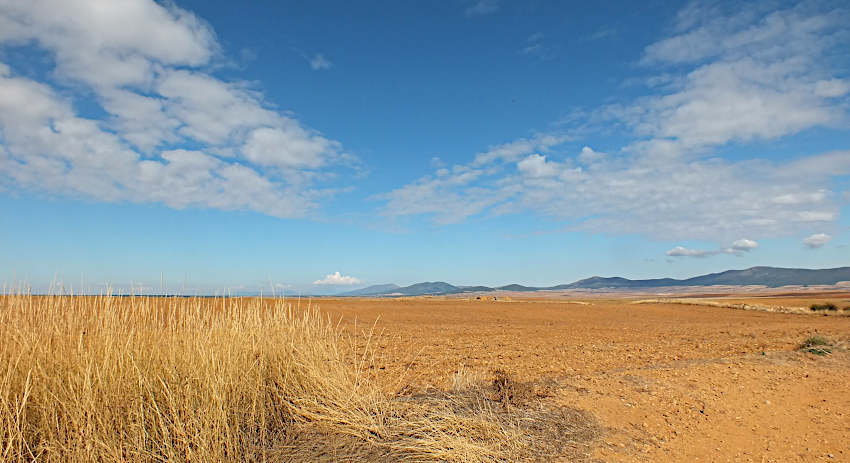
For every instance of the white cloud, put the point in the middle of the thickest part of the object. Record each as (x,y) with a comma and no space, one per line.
(680,251)
(744,245)
(534,46)
(536,166)
(727,78)
(287,146)
(705,32)
(337,279)
(828,164)
(535,37)
(589,156)
(831,88)
(483,7)
(109,43)
(50,147)
(603,32)
(198,100)
(318,62)
(516,149)
(801,198)
(742,100)
(754,75)
(664,198)
(147,65)
(737,248)
(449,196)
(817,240)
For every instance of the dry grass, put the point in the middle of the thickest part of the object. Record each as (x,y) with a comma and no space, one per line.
(728,305)
(177,379)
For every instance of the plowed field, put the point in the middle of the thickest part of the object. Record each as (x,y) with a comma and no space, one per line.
(666,382)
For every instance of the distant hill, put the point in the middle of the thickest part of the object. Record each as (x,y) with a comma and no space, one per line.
(516,287)
(475,289)
(418,289)
(761,276)
(430,287)
(772,276)
(373,290)
(616,282)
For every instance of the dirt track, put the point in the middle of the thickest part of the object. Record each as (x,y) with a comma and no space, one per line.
(669,382)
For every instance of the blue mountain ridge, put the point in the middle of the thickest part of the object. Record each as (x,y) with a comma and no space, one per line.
(762,276)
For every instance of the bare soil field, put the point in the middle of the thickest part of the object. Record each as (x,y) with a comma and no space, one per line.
(662,381)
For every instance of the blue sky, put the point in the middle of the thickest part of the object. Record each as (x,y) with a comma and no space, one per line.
(314,147)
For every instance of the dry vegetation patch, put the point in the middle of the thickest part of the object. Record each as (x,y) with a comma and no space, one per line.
(824,306)
(553,432)
(727,305)
(193,379)
(821,345)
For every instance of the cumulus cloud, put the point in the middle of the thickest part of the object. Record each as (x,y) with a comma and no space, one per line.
(337,279)
(148,65)
(727,77)
(817,240)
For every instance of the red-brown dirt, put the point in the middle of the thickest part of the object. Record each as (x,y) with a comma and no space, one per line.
(668,382)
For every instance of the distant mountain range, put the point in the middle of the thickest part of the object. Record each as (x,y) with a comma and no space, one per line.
(372,290)
(761,276)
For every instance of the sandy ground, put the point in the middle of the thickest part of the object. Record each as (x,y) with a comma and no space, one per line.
(667,382)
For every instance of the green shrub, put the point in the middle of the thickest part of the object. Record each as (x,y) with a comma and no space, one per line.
(817,345)
(824,306)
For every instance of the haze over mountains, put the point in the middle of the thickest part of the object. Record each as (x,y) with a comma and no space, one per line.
(761,276)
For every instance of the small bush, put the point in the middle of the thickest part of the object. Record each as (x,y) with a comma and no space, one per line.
(824,306)
(817,345)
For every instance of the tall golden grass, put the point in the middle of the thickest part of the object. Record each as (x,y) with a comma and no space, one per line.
(143,379)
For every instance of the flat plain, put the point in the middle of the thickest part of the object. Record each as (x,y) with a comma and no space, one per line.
(663,381)
(471,378)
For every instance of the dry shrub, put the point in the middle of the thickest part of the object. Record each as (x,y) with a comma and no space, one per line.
(817,345)
(825,306)
(193,379)
(553,432)
(508,392)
